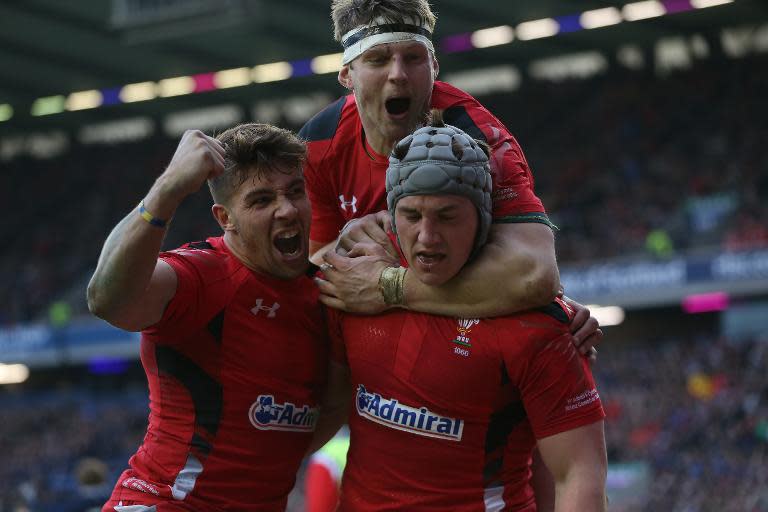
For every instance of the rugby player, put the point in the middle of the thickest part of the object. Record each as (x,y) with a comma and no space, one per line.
(446,412)
(233,341)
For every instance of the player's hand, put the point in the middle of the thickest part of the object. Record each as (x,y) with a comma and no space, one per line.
(352,284)
(371,228)
(585,329)
(371,248)
(197,159)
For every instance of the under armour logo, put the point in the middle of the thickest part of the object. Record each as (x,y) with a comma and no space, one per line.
(345,203)
(259,307)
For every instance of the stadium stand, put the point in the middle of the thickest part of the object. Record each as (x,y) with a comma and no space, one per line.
(694,411)
(644,167)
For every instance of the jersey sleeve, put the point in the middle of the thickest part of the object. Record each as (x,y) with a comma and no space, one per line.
(514,199)
(202,289)
(555,383)
(513,187)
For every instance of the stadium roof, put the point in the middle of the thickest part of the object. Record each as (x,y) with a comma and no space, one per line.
(50,48)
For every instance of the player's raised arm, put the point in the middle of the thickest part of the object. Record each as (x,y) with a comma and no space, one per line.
(131,287)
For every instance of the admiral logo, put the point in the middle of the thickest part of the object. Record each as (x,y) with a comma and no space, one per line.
(464,328)
(420,421)
(265,414)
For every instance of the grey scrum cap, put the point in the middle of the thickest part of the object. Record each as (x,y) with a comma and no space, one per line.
(441,160)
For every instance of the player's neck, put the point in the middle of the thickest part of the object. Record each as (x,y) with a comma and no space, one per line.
(376,151)
(235,247)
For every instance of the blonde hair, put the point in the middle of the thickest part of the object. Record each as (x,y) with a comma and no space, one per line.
(350,14)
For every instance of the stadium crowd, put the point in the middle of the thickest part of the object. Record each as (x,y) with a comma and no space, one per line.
(62,446)
(645,166)
(696,410)
(650,165)
(693,411)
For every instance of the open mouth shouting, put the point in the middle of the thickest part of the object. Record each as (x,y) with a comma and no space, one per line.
(289,243)
(397,106)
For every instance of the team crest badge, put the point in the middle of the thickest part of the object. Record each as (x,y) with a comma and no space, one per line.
(464,327)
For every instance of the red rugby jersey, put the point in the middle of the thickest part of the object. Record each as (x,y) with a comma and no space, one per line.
(235,370)
(446,411)
(345,179)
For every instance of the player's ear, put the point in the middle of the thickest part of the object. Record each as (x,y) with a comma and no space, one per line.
(435,68)
(344,79)
(222,216)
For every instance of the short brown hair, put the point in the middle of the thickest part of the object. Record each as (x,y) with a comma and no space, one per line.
(252,150)
(349,14)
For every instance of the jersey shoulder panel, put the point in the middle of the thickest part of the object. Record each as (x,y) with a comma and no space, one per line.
(323,125)
(208,259)
(462,110)
(459,117)
(444,94)
(208,277)
(527,330)
(456,106)
(558,310)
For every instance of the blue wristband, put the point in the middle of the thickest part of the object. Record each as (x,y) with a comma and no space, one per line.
(160,223)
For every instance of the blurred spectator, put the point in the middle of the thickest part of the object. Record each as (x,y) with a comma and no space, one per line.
(93,486)
(322,476)
(659,244)
(690,408)
(57,444)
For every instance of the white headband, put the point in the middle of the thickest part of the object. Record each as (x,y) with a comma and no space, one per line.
(381,31)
